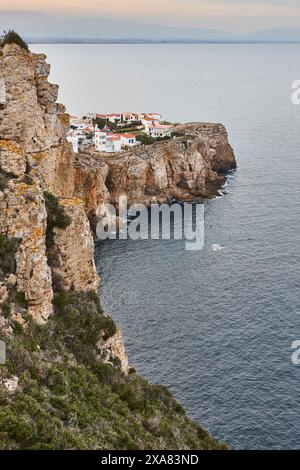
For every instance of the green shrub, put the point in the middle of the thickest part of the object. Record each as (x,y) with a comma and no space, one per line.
(148,140)
(101,123)
(145,139)
(79,402)
(21,299)
(178,134)
(56,217)
(61,299)
(28,168)
(4,178)
(18,328)
(8,250)
(68,398)
(11,37)
(80,323)
(6,309)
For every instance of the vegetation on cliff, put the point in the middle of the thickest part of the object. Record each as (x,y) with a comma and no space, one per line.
(4,178)
(8,250)
(56,217)
(148,140)
(11,37)
(68,398)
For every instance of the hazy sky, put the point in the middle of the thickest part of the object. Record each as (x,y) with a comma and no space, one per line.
(230,15)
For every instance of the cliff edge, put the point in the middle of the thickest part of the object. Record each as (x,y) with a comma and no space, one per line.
(190,166)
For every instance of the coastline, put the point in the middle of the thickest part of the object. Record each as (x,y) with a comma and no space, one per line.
(59,340)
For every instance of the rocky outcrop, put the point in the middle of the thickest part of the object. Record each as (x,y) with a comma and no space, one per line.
(23,216)
(36,159)
(90,184)
(215,138)
(190,166)
(113,350)
(32,124)
(34,152)
(73,250)
(180,168)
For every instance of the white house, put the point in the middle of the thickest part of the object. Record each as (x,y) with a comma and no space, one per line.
(149,122)
(113,118)
(155,116)
(130,117)
(114,143)
(100,140)
(128,140)
(91,116)
(110,142)
(77,123)
(160,130)
(107,142)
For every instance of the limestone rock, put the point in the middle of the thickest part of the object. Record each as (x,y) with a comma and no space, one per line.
(32,124)
(24,216)
(113,349)
(11,384)
(73,250)
(3,294)
(187,167)
(90,184)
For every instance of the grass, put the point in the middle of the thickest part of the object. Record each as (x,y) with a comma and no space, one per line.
(11,37)
(148,140)
(8,250)
(68,397)
(74,407)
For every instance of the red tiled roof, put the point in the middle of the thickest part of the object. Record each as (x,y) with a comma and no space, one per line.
(129,136)
(108,115)
(114,137)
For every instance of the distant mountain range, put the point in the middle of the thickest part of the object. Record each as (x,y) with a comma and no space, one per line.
(40,27)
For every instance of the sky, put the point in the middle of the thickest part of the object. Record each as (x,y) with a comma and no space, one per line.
(228,15)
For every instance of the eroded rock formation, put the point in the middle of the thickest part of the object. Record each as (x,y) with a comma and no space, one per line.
(188,167)
(36,158)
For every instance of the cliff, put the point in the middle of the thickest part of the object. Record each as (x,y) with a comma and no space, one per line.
(37,188)
(66,382)
(188,167)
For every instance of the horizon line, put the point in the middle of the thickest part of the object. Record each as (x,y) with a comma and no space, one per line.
(152,41)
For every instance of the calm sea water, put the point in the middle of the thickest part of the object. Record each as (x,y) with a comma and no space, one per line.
(216,327)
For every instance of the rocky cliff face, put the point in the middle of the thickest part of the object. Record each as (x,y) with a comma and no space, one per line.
(36,158)
(90,184)
(188,167)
